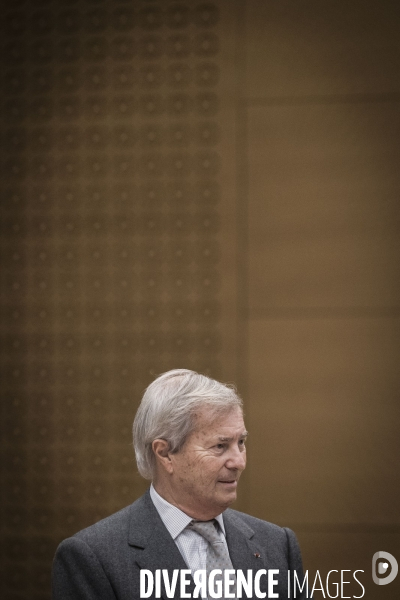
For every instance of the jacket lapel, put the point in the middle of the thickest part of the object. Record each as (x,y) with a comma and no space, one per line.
(243,550)
(153,544)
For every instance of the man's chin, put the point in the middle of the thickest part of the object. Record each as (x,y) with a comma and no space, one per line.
(227,496)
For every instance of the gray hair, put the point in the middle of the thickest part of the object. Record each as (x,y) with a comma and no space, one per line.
(167,411)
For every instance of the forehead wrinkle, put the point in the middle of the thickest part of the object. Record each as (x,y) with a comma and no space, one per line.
(229,439)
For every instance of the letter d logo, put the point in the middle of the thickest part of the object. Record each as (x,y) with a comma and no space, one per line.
(383,567)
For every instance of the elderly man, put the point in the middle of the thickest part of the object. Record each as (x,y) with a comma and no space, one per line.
(180,537)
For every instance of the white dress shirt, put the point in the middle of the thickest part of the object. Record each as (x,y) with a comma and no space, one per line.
(191,544)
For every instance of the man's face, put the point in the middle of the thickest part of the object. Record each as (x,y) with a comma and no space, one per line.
(207,469)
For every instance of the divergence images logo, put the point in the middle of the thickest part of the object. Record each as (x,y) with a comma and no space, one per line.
(383,567)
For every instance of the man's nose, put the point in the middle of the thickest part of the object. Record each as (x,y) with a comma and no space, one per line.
(236,459)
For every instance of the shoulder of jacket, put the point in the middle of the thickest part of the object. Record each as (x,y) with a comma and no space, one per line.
(254,522)
(113,526)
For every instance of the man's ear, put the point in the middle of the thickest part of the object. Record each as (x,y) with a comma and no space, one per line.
(162,454)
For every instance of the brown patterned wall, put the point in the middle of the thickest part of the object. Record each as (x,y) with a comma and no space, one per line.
(212,185)
(111,262)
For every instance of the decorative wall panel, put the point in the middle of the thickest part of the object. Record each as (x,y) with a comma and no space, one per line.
(112,243)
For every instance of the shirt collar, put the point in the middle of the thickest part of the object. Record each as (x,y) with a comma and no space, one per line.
(174,519)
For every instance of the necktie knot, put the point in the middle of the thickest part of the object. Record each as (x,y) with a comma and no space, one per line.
(207,529)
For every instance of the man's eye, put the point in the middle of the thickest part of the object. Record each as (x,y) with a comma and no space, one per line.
(220,446)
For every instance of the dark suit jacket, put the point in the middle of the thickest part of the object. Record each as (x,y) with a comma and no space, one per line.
(103,562)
